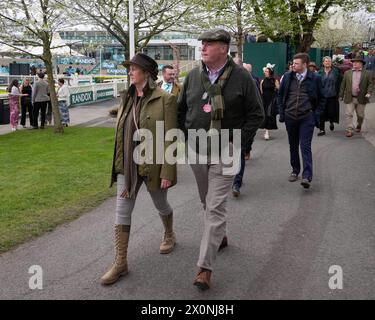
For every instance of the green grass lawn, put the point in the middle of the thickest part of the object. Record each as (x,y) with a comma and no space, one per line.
(47,179)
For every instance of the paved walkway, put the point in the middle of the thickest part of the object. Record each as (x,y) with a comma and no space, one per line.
(282,239)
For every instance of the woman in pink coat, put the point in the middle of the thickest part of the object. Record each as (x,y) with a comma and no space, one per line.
(14,103)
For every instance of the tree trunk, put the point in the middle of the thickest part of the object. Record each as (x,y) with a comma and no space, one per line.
(239,36)
(55,107)
(305,43)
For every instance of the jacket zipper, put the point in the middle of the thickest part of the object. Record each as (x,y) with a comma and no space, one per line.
(298,92)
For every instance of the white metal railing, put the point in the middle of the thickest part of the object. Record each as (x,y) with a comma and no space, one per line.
(6,79)
(188,66)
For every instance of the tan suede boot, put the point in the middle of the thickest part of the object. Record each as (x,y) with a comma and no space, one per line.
(169,240)
(120,265)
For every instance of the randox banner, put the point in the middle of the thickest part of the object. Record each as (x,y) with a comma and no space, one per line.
(81,97)
(105,94)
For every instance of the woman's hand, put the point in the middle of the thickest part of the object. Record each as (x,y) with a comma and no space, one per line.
(165,184)
(277,84)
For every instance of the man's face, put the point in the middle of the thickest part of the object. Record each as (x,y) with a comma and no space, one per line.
(212,51)
(299,66)
(327,63)
(169,75)
(357,65)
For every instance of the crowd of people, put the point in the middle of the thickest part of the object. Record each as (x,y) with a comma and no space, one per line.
(35,101)
(221,93)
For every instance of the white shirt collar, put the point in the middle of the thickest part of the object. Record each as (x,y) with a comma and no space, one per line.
(217,70)
(304,74)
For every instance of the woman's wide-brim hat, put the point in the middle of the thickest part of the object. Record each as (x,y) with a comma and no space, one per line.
(145,62)
(358,58)
(312,64)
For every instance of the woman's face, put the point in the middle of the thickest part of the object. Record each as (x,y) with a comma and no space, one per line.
(327,63)
(27,82)
(137,75)
(267,73)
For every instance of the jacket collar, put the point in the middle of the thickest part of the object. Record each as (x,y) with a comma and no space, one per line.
(309,74)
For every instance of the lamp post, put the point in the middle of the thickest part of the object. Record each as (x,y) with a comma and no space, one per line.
(131,30)
(100,60)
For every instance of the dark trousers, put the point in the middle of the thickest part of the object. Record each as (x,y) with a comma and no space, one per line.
(300,133)
(238,178)
(26,106)
(49,111)
(42,106)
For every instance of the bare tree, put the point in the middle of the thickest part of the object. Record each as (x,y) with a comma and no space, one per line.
(26,25)
(232,15)
(152,17)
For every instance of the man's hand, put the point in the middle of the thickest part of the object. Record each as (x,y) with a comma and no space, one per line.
(247,156)
(165,184)
(368,95)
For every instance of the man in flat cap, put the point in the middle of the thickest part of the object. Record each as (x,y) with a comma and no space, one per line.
(356,89)
(222,95)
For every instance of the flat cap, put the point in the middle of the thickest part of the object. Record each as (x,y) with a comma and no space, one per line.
(215,35)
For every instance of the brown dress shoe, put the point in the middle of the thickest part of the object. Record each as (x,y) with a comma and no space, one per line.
(349,134)
(202,280)
(223,243)
(358,129)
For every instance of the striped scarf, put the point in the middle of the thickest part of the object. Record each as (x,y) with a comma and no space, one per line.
(214,91)
(130,167)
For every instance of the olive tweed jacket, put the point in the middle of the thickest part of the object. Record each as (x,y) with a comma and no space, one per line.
(365,87)
(157,106)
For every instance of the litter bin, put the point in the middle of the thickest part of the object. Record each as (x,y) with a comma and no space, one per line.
(4,110)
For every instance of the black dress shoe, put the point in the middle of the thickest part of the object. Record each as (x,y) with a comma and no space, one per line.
(321,133)
(305,183)
(331,126)
(223,243)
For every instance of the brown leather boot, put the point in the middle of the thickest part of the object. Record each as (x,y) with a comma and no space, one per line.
(202,280)
(169,239)
(120,265)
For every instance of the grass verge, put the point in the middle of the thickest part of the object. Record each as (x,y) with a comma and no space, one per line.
(48,179)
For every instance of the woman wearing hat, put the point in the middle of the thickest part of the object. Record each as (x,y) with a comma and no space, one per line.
(313,67)
(142,106)
(268,88)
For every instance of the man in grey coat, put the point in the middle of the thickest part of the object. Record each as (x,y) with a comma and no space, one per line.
(40,98)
